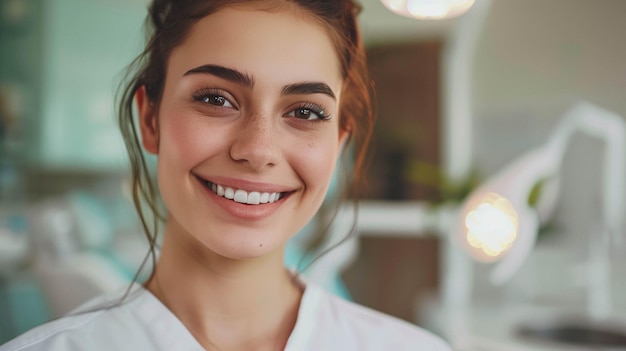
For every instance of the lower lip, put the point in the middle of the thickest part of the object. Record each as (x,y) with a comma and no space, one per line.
(244,211)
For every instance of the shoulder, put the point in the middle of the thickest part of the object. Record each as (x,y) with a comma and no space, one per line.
(357,327)
(85,328)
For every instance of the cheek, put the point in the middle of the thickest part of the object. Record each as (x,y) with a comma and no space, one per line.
(317,163)
(187,141)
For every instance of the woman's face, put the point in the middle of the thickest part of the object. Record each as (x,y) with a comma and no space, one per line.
(247,131)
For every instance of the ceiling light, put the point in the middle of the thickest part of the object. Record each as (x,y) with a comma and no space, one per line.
(428,9)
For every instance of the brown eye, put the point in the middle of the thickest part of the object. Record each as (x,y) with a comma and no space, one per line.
(216,100)
(213,97)
(308,113)
(304,113)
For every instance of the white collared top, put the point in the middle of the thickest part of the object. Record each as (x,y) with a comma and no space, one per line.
(142,322)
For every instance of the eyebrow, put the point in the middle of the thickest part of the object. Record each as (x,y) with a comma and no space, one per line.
(308,88)
(246,80)
(225,73)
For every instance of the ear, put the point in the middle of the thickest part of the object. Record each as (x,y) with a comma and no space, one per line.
(147,121)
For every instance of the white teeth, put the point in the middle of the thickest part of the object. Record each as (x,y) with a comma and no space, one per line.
(265,198)
(229,193)
(242,196)
(254,198)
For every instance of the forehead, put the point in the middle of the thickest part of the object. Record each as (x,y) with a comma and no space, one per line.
(284,44)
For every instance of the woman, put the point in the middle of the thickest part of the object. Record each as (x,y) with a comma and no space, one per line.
(247,105)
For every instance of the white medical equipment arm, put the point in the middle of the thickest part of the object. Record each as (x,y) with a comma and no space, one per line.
(516,181)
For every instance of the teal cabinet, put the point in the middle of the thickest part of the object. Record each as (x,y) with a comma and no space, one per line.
(86,45)
(62,65)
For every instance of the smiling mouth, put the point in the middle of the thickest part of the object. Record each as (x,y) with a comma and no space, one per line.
(242,196)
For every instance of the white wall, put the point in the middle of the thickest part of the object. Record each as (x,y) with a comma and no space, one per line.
(541,49)
(534,58)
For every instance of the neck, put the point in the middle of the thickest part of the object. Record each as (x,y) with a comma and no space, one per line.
(226,304)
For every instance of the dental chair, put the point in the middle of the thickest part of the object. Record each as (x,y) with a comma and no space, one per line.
(78,254)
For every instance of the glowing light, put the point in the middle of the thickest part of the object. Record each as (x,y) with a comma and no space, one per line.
(396,5)
(428,9)
(492,225)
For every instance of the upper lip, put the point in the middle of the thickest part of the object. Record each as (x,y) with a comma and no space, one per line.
(246,185)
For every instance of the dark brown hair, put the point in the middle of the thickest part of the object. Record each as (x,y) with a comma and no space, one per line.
(167,25)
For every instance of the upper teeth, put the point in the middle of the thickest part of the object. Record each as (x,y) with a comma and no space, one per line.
(244,197)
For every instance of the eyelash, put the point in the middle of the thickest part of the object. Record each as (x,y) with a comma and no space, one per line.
(203,96)
(312,108)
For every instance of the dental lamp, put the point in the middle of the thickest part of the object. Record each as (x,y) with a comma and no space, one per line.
(497,222)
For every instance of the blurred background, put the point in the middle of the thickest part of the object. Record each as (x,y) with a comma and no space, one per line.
(68,230)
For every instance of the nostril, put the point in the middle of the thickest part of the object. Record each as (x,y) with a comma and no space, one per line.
(256,143)
(257,155)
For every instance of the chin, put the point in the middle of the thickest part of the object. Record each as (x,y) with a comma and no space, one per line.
(242,245)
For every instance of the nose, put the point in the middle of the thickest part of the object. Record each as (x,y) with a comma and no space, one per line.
(256,143)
